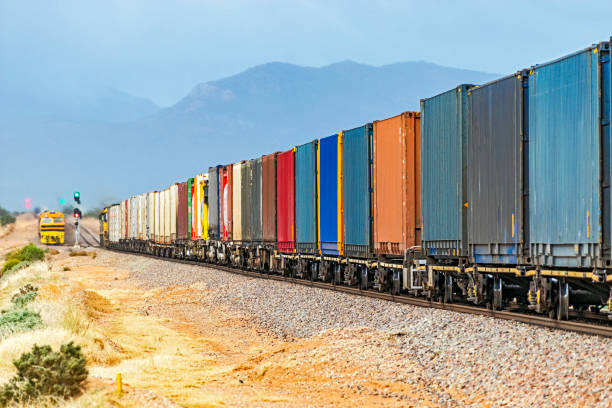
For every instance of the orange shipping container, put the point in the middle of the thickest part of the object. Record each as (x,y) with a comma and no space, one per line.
(397,184)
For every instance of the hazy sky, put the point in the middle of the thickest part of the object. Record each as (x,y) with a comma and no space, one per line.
(161,49)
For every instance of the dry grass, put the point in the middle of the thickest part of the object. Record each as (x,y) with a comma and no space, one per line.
(66,268)
(77,253)
(52,251)
(93,254)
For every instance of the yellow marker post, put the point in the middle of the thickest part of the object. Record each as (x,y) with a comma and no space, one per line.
(119,384)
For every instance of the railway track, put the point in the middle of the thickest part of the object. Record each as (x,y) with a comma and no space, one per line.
(599,327)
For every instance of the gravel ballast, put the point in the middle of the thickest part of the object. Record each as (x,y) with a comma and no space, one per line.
(466,360)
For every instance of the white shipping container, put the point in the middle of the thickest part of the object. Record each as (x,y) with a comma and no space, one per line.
(237,202)
(122,219)
(158,218)
(150,215)
(113,223)
(134,217)
(173,210)
(162,215)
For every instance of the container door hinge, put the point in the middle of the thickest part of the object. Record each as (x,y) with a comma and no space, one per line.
(604,58)
(605,122)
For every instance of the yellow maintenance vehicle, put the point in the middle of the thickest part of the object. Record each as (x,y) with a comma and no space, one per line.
(51,227)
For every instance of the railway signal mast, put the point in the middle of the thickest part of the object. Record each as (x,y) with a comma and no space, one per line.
(77,216)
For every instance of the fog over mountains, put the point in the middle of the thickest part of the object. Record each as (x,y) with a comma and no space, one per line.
(110,144)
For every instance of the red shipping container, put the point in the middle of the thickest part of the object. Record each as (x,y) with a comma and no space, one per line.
(225,202)
(285,200)
(181,218)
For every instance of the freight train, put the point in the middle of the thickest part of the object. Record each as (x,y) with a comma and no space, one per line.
(496,194)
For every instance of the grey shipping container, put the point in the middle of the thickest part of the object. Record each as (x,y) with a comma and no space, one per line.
(357,191)
(444,135)
(213,203)
(569,160)
(495,171)
(306,198)
(268,197)
(254,208)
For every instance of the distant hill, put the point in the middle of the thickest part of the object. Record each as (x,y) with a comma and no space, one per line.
(119,145)
(281,104)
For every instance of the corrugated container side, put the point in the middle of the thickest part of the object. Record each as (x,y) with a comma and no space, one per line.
(166,212)
(285,201)
(141,217)
(157,217)
(255,200)
(329,193)
(494,171)
(396,181)
(134,217)
(114,214)
(237,202)
(173,211)
(445,130)
(225,204)
(190,205)
(246,175)
(268,197)
(182,211)
(151,215)
(306,197)
(357,191)
(124,219)
(213,203)
(201,207)
(564,161)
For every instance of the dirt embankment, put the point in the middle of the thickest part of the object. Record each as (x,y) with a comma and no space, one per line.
(172,346)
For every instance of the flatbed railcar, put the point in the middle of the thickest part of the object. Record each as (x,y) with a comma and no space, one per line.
(497,195)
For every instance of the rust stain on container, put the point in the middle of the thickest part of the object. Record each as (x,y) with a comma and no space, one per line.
(397,183)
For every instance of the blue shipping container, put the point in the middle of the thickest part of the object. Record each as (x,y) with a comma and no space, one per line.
(444,133)
(356,191)
(306,197)
(330,195)
(566,219)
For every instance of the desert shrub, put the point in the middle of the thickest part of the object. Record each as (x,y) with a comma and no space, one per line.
(44,372)
(18,319)
(10,264)
(6,217)
(24,296)
(21,258)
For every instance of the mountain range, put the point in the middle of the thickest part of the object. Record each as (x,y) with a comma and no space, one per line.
(108,144)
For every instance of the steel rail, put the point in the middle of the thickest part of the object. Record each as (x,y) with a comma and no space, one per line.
(604,330)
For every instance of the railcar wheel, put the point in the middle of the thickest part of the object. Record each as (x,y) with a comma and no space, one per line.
(497,293)
(448,288)
(563,301)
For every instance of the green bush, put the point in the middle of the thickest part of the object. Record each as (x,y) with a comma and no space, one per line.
(44,372)
(6,217)
(10,264)
(18,319)
(25,295)
(24,256)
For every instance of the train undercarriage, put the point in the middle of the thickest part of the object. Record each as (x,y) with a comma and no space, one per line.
(558,294)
